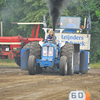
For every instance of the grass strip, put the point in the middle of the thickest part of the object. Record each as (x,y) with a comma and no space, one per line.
(11,62)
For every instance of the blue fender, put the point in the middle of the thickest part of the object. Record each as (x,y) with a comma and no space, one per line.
(24,58)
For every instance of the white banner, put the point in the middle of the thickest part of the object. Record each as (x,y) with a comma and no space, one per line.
(82,39)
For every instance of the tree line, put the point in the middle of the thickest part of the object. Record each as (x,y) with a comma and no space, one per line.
(33,10)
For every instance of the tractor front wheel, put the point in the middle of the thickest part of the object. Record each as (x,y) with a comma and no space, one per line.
(63,66)
(68,51)
(31,65)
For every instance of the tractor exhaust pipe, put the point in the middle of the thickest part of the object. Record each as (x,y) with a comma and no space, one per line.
(1,29)
(53,36)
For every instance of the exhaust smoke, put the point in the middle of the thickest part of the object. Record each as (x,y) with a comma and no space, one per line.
(55,9)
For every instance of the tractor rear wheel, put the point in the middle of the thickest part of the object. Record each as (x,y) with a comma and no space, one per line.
(27,46)
(31,65)
(17,60)
(68,51)
(63,65)
(35,49)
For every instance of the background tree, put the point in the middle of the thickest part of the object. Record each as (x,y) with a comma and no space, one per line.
(33,10)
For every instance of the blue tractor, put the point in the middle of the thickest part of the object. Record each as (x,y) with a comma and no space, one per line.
(62,55)
(52,55)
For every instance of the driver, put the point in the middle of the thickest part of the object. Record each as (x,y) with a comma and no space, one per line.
(50,36)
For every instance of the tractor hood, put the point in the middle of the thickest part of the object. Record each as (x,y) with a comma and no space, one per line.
(49,52)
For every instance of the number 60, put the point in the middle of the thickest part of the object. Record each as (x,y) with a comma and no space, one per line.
(77,95)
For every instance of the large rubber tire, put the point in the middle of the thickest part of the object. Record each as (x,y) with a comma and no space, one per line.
(31,65)
(38,69)
(35,49)
(63,66)
(18,61)
(27,46)
(68,51)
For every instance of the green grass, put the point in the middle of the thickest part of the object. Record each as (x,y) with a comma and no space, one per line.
(8,63)
(95,65)
(11,62)
(7,60)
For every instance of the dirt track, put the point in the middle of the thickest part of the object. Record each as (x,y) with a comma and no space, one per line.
(18,85)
